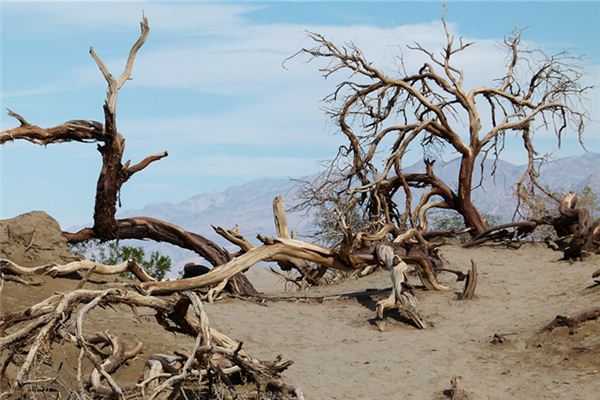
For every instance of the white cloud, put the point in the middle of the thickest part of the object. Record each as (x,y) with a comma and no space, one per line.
(183,17)
(290,118)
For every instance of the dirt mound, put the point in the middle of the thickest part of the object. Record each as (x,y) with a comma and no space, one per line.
(572,348)
(33,239)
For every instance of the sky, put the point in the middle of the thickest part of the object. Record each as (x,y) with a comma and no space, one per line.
(209,86)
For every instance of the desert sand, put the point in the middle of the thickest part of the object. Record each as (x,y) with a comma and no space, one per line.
(339,352)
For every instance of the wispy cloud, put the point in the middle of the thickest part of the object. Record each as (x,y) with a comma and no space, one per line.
(38,91)
(227,165)
(188,17)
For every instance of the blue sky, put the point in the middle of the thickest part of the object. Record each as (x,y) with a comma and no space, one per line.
(208,86)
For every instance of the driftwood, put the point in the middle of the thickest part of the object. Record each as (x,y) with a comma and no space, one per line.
(214,360)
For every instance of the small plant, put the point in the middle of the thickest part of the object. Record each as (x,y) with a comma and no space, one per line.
(445,220)
(112,253)
(327,221)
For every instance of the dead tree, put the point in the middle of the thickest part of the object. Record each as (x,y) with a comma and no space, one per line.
(111,145)
(382,113)
(577,235)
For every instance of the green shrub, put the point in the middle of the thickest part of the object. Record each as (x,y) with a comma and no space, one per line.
(112,253)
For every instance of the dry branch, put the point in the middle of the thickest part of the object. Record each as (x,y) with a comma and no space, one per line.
(577,235)
(470,283)
(76,266)
(401,296)
(281,224)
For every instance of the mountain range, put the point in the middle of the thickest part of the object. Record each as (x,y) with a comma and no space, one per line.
(250,205)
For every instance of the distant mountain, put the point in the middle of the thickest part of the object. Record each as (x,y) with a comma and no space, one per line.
(573,173)
(250,205)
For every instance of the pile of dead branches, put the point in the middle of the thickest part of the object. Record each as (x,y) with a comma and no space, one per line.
(215,367)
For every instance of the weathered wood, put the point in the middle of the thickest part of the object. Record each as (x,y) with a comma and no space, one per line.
(75,266)
(574,320)
(577,235)
(470,283)
(61,319)
(401,296)
(281,225)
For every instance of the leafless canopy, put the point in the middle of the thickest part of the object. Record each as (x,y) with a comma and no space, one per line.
(383,115)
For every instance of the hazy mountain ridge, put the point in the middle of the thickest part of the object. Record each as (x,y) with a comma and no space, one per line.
(250,205)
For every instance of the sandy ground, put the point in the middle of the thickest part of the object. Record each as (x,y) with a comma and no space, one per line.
(339,353)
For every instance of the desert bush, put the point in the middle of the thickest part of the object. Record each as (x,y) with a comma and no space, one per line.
(326,220)
(156,265)
(448,220)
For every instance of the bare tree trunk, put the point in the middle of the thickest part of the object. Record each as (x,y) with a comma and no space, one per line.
(109,181)
(466,208)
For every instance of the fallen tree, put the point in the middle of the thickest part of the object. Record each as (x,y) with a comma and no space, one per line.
(114,173)
(577,235)
(355,254)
